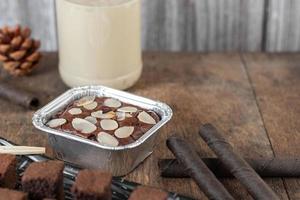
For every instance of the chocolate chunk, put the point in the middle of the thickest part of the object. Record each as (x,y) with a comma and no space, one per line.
(8,176)
(132,121)
(92,184)
(125,141)
(137,133)
(44,180)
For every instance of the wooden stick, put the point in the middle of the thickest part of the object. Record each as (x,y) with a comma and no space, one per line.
(22,150)
(197,170)
(272,167)
(236,164)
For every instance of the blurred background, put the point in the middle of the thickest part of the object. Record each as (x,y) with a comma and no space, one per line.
(185,25)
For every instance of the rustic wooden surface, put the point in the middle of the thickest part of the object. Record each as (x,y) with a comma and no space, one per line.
(252,98)
(186,25)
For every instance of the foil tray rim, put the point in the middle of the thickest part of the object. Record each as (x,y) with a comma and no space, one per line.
(40,114)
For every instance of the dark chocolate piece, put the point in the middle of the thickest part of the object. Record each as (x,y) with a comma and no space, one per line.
(204,178)
(92,184)
(44,180)
(125,141)
(148,193)
(274,167)
(137,133)
(18,96)
(8,177)
(236,164)
(6,194)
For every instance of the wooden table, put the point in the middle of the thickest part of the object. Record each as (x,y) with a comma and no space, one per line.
(254,99)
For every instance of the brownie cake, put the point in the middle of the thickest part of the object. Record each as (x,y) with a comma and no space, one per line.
(8,174)
(106,120)
(44,180)
(92,184)
(7,194)
(148,193)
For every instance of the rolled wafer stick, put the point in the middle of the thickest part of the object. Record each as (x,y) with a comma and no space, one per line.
(257,188)
(273,167)
(18,96)
(22,150)
(197,170)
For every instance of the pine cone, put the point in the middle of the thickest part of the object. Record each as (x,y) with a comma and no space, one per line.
(18,52)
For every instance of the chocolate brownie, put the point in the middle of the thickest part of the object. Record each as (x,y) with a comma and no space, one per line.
(108,121)
(44,180)
(7,194)
(92,184)
(8,174)
(148,193)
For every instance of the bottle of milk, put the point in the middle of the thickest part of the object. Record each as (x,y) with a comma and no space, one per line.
(99,42)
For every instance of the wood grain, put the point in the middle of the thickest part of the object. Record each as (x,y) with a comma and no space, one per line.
(185,25)
(174,25)
(282,27)
(39,15)
(200,88)
(276,81)
(254,101)
(201,25)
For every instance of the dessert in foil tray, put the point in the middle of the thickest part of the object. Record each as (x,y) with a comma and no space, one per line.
(106,120)
(115,130)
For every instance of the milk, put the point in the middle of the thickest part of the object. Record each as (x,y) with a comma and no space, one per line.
(99,42)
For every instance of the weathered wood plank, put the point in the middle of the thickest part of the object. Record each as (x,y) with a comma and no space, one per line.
(229,25)
(217,88)
(276,80)
(201,25)
(186,25)
(39,15)
(283,28)
(175,25)
(200,88)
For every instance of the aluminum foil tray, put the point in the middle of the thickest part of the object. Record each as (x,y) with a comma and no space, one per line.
(90,154)
(121,189)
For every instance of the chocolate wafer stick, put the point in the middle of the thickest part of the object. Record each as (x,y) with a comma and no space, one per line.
(236,164)
(196,169)
(274,167)
(18,96)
